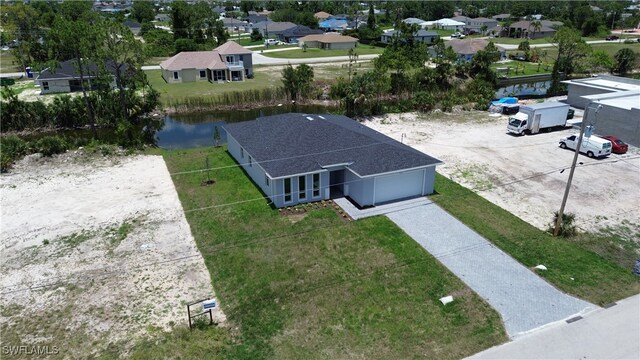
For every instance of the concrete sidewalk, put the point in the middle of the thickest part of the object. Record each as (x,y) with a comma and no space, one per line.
(612,333)
(524,300)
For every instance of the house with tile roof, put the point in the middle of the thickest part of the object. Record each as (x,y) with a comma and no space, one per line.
(321,15)
(467,48)
(298,158)
(227,62)
(328,41)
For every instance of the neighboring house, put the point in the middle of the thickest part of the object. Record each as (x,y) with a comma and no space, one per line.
(476,24)
(227,62)
(220,11)
(448,24)
(298,158)
(334,24)
(321,15)
(328,41)
(255,18)
(414,21)
(292,35)
(234,24)
(527,29)
(501,17)
(134,26)
(467,48)
(424,36)
(66,78)
(271,29)
(163,17)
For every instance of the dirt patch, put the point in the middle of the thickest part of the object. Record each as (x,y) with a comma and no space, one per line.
(95,250)
(522,174)
(299,212)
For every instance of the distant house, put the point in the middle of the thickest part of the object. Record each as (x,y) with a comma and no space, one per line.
(449,24)
(334,24)
(321,15)
(414,21)
(227,62)
(65,78)
(134,26)
(271,29)
(424,36)
(163,17)
(328,41)
(255,18)
(293,34)
(527,29)
(467,48)
(234,24)
(298,158)
(501,17)
(476,24)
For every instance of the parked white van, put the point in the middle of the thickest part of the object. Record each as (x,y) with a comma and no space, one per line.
(593,146)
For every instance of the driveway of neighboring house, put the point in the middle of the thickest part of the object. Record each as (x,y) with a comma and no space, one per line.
(524,300)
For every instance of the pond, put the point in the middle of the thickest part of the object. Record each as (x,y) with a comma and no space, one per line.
(182,131)
(524,90)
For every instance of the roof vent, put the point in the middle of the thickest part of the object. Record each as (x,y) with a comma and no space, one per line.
(309,118)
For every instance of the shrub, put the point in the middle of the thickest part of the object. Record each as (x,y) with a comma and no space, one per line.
(424,101)
(50,145)
(11,149)
(567,226)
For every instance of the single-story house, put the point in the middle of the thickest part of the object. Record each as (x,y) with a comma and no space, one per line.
(501,17)
(527,30)
(234,24)
(298,158)
(162,17)
(227,62)
(414,21)
(134,26)
(272,28)
(255,18)
(66,78)
(424,36)
(293,34)
(321,15)
(448,24)
(476,24)
(328,41)
(333,24)
(467,48)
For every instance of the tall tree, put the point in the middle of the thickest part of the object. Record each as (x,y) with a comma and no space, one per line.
(625,60)
(21,23)
(180,19)
(371,19)
(143,10)
(571,48)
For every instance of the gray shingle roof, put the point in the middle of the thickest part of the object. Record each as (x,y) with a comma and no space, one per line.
(290,144)
(68,70)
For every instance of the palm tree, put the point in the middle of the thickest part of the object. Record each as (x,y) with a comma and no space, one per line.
(537,25)
(483,28)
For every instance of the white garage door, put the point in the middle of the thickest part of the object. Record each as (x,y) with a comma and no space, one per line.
(398,186)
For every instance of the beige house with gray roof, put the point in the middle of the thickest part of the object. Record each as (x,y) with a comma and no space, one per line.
(227,62)
(328,41)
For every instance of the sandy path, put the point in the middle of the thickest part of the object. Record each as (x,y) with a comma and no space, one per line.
(522,174)
(94,249)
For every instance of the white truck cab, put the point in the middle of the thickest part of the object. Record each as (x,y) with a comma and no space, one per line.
(593,146)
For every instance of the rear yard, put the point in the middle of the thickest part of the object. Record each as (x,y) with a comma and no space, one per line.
(314,53)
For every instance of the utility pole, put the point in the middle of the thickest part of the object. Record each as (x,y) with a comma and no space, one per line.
(556,230)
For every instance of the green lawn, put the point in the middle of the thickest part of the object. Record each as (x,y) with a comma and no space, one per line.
(573,266)
(313,52)
(170,92)
(315,285)
(246,41)
(8,62)
(442,32)
(521,68)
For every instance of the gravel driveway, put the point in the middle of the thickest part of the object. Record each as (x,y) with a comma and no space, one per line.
(524,300)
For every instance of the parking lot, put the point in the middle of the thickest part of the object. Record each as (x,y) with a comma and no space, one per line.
(526,175)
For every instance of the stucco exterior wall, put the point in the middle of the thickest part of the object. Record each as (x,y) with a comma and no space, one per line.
(336,46)
(575,91)
(255,171)
(621,123)
(168,76)
(55,86)
(360,190)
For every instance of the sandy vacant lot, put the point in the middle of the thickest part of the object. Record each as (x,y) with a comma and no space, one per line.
(523,174)
(94,251)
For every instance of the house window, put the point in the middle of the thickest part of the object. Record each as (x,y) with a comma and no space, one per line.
(250,162)
(175,75)
(45,85)
(302,187)
(241,57)
(287,190)
(242,153)
(316,185)
(229,58)
(203,74)
(266,180)
(218,75)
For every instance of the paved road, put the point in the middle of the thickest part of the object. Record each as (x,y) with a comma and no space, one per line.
(546,45)
(612,333)
(524,300)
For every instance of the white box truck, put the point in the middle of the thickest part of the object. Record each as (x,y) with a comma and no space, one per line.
(593,146)
(535,117)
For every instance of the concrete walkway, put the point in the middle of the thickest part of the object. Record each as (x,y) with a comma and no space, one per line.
(356,213)
(611,333)
(524,300)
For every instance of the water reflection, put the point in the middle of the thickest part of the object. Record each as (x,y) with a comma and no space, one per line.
(182,131)
(538,88)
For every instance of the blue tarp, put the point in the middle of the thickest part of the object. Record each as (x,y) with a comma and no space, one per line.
(505,101)
(333,24)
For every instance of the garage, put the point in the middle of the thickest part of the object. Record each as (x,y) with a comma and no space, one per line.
(398,186)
